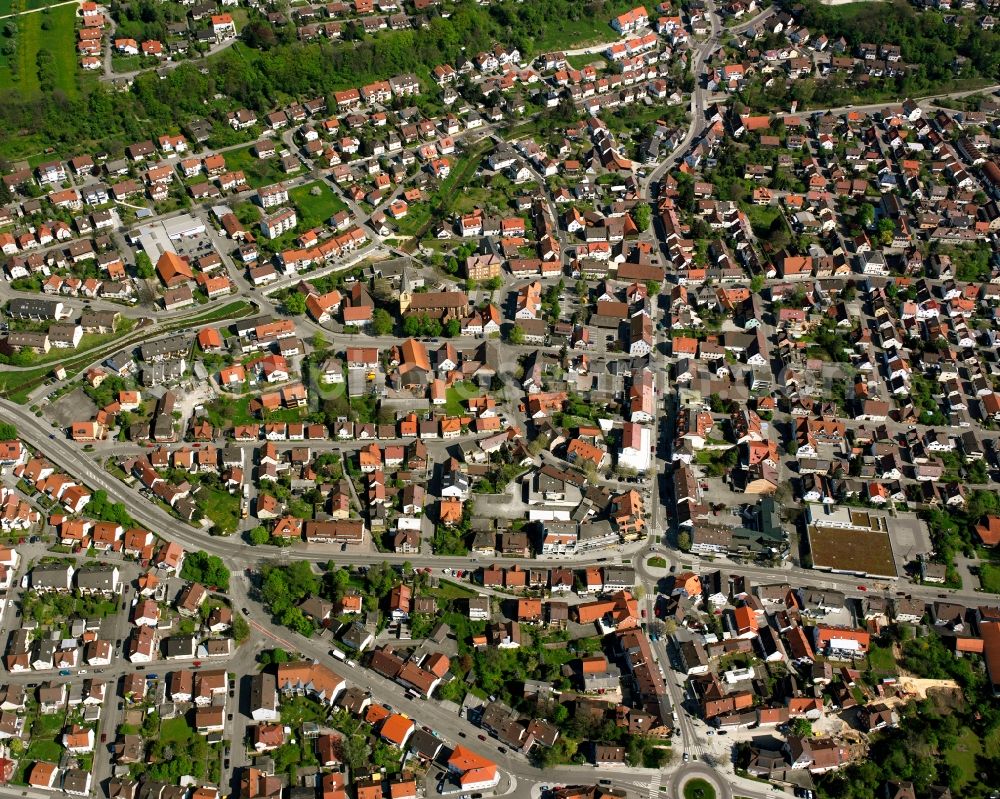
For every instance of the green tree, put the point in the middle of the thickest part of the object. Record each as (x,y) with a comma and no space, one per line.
(382,323)
(866,215)
(801,727)
(143,266)
(355,751)
(241,629)
(516,335)
(259,536)
(642,215)
(200,567)
(684,541)
(453,328)
(295,303)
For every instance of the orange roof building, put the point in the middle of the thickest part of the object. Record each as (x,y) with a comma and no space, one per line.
(988,531)
(688,582)
(397,730)
(209,339)
(990,631)
(173,270)
(746,621)
(620,611)
(473,772)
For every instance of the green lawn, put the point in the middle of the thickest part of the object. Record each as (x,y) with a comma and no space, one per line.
(300,709)
(416,221)
(456,396)
(57,67)
(448,590)
(963,756)
(579,32)
(698,789)
(47,724)
(315,209)
(881,660)
(761,217)
(584,60)
(15,386)
(175,730)
(44,750)
(221,507)
(656,562)
(472,198)
(444,200)
(989,577)
(259,172)
(233,310)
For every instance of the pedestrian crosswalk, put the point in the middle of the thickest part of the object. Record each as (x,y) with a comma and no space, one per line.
(654,786)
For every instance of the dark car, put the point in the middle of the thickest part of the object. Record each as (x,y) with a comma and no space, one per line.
(482,737)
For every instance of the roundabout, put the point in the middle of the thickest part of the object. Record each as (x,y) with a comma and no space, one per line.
(698,781)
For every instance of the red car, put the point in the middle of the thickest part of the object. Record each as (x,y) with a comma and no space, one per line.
(644,613)
(862,587)
(482,737)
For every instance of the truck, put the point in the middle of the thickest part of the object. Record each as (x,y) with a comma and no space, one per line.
(338,654)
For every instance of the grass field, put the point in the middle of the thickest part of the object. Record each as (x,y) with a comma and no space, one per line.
(584,60)
(221,507)
(44,750)
(881,660)
(456,396)
(989,577)
(314,210)
(175,730)
(963,756)
(56,47)
(259,172)
(444,200)
(761,217)
(580,32)
(448,590)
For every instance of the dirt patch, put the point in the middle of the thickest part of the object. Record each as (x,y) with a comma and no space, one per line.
(946,694)
(72,407)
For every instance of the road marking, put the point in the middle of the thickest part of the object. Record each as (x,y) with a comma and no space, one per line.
(654,786)
(269,634)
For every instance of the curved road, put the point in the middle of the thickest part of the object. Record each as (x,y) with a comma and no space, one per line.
(693,771)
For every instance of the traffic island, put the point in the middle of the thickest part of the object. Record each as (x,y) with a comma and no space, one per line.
(698,788)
